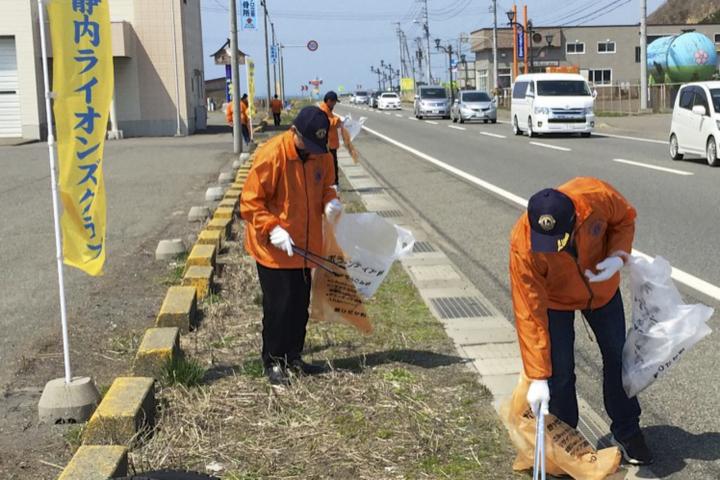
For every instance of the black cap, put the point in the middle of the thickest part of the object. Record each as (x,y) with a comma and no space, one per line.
(331,96)
(312,124)
(552,219)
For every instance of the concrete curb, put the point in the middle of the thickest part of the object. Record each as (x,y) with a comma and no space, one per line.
(211,237)
(159,346)
(222,225)
(201,278)
(179,309)
(92,462)
(126,411)
(201,256)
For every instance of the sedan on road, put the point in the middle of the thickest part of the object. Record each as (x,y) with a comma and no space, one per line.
(388,101)
(432,102)
(695,127)
(473,105)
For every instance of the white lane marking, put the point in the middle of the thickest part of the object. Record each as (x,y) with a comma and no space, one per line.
(653,167)
(681,276)
(495,135)
(413,118)
(431,122)
(625,137)
(554,147)
(457,128)
(386,113)
(398,115)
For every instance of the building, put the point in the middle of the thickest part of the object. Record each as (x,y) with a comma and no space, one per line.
(605,54)
(143,37)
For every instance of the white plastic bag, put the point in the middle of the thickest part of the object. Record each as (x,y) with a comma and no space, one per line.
(664,327)
(371,245)
(353,126)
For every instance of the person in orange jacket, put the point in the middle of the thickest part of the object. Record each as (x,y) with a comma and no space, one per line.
(244,119)
(566,252)
(288,189)
(327,106)
(276,106)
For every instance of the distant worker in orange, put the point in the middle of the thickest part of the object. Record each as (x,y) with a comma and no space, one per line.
(288,189)
(327,106)
(276,106)
(244,119)
(566,254)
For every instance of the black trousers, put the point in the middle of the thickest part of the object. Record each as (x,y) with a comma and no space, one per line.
(334,154)
(246,133)
(286,300)
(276,119)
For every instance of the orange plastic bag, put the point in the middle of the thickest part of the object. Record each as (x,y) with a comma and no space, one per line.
(334,296)
(566,450)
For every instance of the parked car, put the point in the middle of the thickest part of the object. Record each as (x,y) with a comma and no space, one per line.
(552,103)
(374,99)
(695,126)
(473,105)
(389,101)
(432,102)
(361,98)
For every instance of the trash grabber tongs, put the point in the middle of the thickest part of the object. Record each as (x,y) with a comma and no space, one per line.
(321,262)
(539,465)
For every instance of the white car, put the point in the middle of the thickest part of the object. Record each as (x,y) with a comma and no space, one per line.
(388,101)
(695,127)
(361,98)
(552,103)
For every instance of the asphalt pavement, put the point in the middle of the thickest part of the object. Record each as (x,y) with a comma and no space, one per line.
(459,180)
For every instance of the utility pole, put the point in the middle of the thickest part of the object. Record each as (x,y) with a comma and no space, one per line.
(495,45)
(426,18)
(282,72)
(237,142)
(398,30)
(267,54)
(277,58)
(178,131)
(643,56)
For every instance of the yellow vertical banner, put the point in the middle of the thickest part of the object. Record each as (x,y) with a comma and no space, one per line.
(251,86)
(82,86)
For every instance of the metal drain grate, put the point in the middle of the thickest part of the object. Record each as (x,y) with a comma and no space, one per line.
(423,247)
(460,307)
(389,213)
(358,177)
(370,190)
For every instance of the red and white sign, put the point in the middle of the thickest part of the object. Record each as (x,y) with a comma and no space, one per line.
(312,45)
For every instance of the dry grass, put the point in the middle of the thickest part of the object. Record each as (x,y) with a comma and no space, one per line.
(398,404)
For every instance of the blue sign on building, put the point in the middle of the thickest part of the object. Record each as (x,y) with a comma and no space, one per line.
(521,44)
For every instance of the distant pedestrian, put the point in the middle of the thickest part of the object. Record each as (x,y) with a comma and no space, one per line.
(289,187)
(276,106)
(244,119)
(327,106)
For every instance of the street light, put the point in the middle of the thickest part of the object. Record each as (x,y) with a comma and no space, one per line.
(526,33)
(449,51)
(463,60)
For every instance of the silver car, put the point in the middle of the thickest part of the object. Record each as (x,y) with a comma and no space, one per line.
(432,102)
(473,105)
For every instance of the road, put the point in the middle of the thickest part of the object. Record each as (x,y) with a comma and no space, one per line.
(472,211)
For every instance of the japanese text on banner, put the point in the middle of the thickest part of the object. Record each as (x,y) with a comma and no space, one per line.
(251,87)
(83,86)
(249,15)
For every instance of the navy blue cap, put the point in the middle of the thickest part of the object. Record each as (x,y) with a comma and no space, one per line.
(312,124)
(552,219)
(331,96)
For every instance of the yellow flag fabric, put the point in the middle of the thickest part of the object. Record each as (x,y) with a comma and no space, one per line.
(251,86)
(83,86)
(407,84)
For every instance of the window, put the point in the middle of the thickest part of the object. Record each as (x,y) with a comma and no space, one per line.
(715,94)
(606,47)
(686,98)
(433,93)
(563,88)
(520,89)
(701,100)
(600,76)
(637,54)
(475,97)
(576,48)
(717,38)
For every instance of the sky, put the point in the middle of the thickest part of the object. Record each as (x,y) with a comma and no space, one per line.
(355,35)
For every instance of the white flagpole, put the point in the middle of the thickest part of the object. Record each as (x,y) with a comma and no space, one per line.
(56,203)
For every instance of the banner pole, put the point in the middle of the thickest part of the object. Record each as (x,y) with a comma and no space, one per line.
(56,203)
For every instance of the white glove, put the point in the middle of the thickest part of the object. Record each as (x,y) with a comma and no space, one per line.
(280,238)
(333,209)
(538,397)
(606,269)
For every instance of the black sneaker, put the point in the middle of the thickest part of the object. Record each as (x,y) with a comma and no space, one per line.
(277,375)
(302,368)
(635,450)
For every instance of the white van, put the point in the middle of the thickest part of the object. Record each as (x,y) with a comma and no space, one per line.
(552,103)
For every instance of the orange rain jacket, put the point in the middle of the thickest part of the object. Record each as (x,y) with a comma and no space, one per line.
(276,105)
(335,124)
(605,224)
(283,190)
(243,113)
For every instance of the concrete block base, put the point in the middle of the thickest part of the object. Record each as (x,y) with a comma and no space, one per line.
(198,214)
(237,164)
(72,402)
(179,309)
(244,157)
(202,256)
(126,411)
(211,237)
(214,194)
(224,212)
(222,225)
(158,347)
(201,278)
(225,178)
(170,249)
(93,462)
